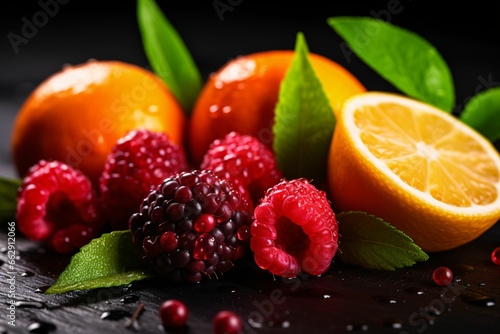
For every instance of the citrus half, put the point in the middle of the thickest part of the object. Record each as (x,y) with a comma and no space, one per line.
(419,168)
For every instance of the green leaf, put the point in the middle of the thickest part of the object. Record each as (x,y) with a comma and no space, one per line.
(107,261)
(372,243)
(8,198)
(304,120)
(482,112)
(403,58)
(167,54)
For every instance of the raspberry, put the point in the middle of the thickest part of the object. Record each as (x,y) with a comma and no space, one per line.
(57,205)
(294,229)
(138,162)
(193,224)
(246,162)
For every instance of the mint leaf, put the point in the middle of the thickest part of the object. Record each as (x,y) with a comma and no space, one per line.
(304,120)
(372,243)
(8,198)
(167,54)
(401,57)
(482,112)
(107,261)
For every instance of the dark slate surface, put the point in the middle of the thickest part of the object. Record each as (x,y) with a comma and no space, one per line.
(345,299)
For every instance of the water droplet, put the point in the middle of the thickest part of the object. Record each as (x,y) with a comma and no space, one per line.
(254,323)
(414,290)
(275,321)
(394,323)
(42,289)
(27,274)
(25,304)
(479,300)
(41,327)
(356,327)
(115,315)
(481,284)
(129,299)
(226,109)
(314,292)
(385,299)
(227,288)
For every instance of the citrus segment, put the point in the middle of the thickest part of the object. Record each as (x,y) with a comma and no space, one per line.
(422,170)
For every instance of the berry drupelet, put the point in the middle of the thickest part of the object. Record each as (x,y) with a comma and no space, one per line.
(192,225)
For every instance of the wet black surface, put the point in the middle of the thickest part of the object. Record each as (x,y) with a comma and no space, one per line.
(346,298)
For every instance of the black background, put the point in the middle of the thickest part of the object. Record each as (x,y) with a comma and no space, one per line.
(467,38)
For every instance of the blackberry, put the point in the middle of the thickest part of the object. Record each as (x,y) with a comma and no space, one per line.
(192,225)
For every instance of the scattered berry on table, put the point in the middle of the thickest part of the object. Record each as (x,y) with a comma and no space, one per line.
(173,313)
(442,276)
(495,256)
(226,322)
(192,225)
(57,205)
(246,162)
(294,229)
(138,162)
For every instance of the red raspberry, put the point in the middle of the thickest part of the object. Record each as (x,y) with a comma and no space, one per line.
(138,162)
(226,322)
(294,229)
(58,205)
(191,226)
(246,162)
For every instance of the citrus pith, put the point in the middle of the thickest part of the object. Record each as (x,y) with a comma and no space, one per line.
(420,169)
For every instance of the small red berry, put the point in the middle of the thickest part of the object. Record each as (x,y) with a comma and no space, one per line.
(495,256)
(442,276)
(173,313)
(227,322)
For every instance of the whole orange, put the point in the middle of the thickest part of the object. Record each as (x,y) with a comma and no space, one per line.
(77,114)
(242,94)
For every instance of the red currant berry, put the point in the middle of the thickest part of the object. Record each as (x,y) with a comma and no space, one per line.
(495,256)
(226,322)
(173,313)
(442,276)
